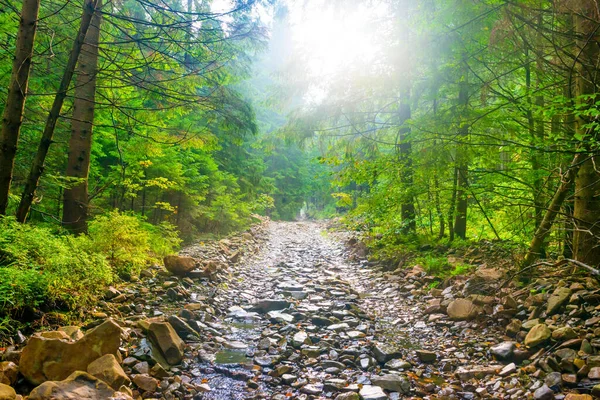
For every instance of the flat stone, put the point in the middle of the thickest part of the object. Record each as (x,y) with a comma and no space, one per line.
(465,373)
(279,316)
(509,369)
(266,305)
(392,382)
(398,364)
(564,333)
(369,392)
(384,352)
(426,356)
(557,299)
(145,382)
(313,389)
(300,338)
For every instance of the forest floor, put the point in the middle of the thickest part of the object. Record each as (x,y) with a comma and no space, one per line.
(293,312)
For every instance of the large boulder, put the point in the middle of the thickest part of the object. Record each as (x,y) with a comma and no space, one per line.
(46,359)
(166,339)
(77,386)
(462,309)
(7,393)
(107,368)
(179,265)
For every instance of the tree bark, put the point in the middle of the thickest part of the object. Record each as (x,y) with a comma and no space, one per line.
(554,208)
(462,169)
(586,208)
(75,205)
(12,117)
(407,208)
(37,167)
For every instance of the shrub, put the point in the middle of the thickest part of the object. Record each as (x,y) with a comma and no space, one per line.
(128,243)
(39,267)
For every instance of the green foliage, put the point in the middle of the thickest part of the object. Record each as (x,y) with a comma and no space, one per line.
(130,244)
(434,265)
(40,268)
(44,269)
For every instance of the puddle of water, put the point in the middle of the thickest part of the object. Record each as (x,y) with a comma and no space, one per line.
(231,356)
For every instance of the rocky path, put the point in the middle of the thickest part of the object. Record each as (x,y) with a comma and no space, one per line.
(289,311)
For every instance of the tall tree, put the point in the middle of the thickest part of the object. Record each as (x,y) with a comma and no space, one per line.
(586,211)
(12,117)
(37,167)
(75,203)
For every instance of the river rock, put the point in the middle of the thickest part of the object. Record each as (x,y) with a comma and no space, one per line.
(369,392)
(54,359)
(537,335)
(166,339)
(385,352)
(465,373)
(8,372)
(503,351)
(543,393)
(564,333)
(391,382)
(348,396)
(179,265)
(77,386)
(557,299)
(574,396)
(462,309)
(266,305)
(107,368)
(300,338)
(145,382)
(7,392)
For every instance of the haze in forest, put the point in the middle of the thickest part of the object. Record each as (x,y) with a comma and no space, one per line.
(132,128)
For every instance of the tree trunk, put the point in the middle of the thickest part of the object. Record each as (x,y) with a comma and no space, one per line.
(452,208)
(460,223)
(15,101)
(406,174)
(37,168)
(75,206)
(559,197)
(586,208)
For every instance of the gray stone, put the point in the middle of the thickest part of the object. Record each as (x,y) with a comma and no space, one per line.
(503,351)
(392,382)
(543,393)
(557,299)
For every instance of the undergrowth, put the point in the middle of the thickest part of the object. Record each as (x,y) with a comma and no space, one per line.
(44,269)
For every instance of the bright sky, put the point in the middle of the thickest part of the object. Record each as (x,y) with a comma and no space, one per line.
(335,38)
(330,39)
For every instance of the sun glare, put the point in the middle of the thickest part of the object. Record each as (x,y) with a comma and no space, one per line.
(334,39)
